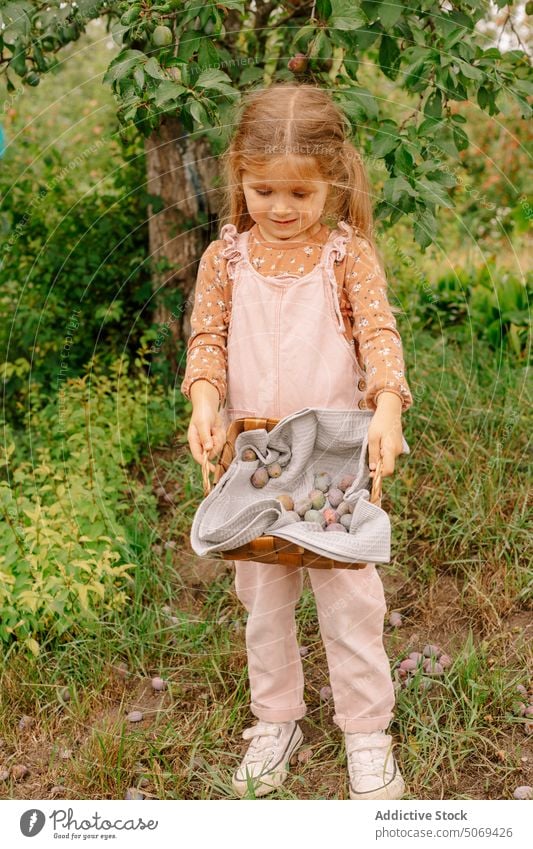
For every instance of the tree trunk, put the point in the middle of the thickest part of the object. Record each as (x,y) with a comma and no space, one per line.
(181,170)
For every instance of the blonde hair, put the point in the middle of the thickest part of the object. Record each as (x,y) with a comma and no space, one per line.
(302,119)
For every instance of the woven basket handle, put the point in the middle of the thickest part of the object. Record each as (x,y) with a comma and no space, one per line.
(375,496)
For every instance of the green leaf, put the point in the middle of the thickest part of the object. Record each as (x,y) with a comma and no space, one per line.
(199,113)
(359,101)
(389,56)
(122,64)
(431,192)
(425,228)
(386,139)
(154,69)
(345,15)
(433,105)
(445,178)
(166,91)
(211,78)
(395,188)
(470,71)
(389,13)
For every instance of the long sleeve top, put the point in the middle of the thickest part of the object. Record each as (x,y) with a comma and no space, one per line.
(378,344)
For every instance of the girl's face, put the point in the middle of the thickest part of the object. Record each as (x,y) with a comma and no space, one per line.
(283,206)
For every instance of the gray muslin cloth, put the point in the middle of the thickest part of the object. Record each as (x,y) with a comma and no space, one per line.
(308,441)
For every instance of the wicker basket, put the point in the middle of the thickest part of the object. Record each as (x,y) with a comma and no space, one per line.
(266,548)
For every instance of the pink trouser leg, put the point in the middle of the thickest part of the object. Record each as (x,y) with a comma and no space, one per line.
(270,594)
(351,607)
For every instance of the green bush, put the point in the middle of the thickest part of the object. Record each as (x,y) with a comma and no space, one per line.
(73,266)
(65,501)
(495,304)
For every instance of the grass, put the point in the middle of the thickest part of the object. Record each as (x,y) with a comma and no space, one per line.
(459,576)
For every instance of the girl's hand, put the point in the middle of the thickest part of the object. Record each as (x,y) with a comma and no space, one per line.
(206,432)
(385,433)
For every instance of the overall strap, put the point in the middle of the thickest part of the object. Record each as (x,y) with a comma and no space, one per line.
(334,252)
(233,253)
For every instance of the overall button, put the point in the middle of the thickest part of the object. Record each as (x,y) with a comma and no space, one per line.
(362,385)
(362,404)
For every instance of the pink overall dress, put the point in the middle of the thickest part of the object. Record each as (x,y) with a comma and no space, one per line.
(287,350)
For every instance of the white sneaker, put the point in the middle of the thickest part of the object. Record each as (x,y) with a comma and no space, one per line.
(372,770)
(265,765)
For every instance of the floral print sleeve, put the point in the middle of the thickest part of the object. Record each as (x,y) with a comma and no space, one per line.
(206,348)
(374,325)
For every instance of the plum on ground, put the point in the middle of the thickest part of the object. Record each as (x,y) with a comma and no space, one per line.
(318,499)
(395,618)
(408,664)
(335,496)
(431,651)
(260,478)
(286,501)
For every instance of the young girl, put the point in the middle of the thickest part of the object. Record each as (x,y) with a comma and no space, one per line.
(281,341)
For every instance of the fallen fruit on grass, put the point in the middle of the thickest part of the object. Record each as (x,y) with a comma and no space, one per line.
(521,689)
(274,470)
(65,694)
(431,651)
(431,666)
(318,499)
(25,722)
(260,478)
(304,651)
(19,771)
(336,526)
(4,774)
(335,496)
(528,711)
(133,794)
(418,656)
(409,664)
(304,755)
(135,716)
(286,501)
(248,455)
(395,618)
(523,792)
(445,661)
(159,684)
(325,693)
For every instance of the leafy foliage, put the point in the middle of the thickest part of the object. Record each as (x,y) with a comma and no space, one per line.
(66,502)
(192,61)
(495,306)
